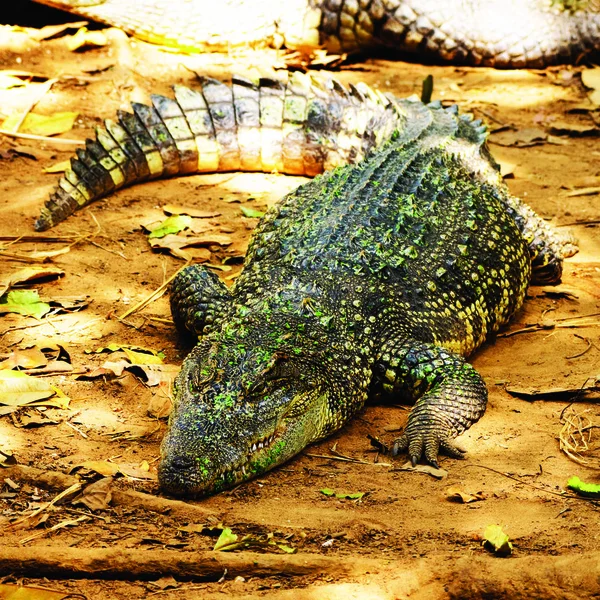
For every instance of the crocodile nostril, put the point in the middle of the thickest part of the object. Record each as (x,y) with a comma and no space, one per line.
(180,463)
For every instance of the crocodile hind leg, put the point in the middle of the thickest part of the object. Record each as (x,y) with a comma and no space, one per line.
(450,396)
(198,299)
(547,245)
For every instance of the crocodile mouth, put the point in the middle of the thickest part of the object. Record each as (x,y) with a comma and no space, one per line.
(243,471)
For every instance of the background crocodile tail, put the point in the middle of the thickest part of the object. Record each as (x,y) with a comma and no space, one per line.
(301,126)
(495,33)
(498,33)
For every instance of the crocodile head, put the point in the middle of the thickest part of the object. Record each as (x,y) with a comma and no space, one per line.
(245,401)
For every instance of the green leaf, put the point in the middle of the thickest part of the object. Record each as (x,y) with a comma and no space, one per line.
(227,541)
(351,496)
(287,549)
(251,212)
(497,541)
(327,492)
(24,302)
(172,224)
(591,490)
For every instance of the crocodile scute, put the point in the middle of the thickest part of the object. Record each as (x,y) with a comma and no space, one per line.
(379,276)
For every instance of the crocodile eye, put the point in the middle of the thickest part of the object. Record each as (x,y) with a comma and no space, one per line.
(258,389)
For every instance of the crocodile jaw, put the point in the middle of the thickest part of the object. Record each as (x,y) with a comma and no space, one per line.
(204,471)
(219,436)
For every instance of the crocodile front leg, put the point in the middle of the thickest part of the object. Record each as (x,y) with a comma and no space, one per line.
(198,300)
(450,396)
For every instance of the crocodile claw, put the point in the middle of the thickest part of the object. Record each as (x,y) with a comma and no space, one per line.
(426,442)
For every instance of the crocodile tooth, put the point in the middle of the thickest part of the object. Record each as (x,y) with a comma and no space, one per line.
(260,444)
(253,447)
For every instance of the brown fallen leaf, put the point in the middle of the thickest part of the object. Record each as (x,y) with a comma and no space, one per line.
(574,129)
(160,403)
(53,366)
(425,469)
(35,256)
(32,418)
(176,244)
(97,495)
(28,274)
(102,467)
(26,359)
(521,138)
(136,471)
(455,494)
(151,375)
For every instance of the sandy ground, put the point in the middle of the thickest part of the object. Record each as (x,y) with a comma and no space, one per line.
(404,524)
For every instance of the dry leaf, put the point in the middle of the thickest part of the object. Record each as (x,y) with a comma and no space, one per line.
(50,31)
(59,167)
(175,244)
(574,129)
(426,469)
(521,138)
(160,404)
(591,80)
(86,39)
(26,359)
(97,495)
(103,467)
(28,274)
(18,389)
(45,125)
(456,494)
(136,472)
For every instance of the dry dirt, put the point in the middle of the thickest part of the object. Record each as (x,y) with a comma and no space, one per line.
(403,538)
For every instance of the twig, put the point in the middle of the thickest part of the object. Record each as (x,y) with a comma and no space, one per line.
(60,525)
(348,459)
(41,138)
(589,345)
(83,435)
(107,249)
(37,238)
(153,296)
(70,490)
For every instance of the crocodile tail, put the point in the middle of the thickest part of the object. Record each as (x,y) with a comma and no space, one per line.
(301,126)
(494,33)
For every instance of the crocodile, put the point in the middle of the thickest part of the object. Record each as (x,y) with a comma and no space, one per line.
(496,33)
(377,277)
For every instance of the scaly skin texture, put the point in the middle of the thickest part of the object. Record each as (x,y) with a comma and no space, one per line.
(377,277)
(500,33)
